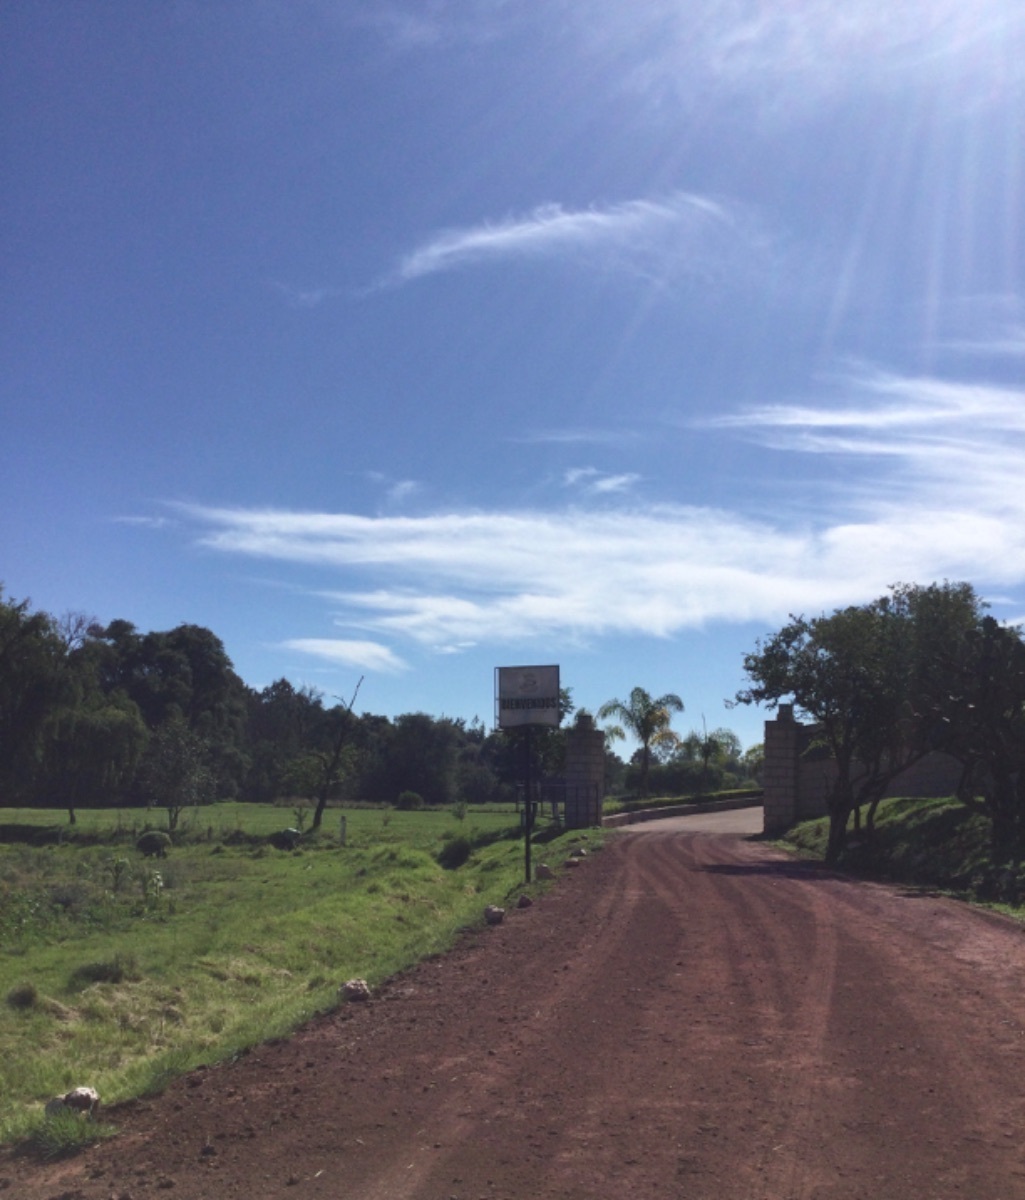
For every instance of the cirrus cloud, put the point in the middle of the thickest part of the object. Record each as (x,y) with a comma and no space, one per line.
(930,490)
(684,232)
(369,656)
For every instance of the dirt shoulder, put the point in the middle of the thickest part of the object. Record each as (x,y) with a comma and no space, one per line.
(684,1015)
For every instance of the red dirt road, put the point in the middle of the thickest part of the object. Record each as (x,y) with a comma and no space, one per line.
(683,1016)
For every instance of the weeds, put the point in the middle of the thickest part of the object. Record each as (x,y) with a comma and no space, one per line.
(149,971)
(66,1133)
(300,814)
(117,869)
(151,882)
(162,1071)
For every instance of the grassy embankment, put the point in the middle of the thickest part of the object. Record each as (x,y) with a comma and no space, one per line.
(118,972)
(618,804)
(934,843)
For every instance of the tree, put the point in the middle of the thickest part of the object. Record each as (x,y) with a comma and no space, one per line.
(175,772)
(752,761)
(865,675)
(717,751)
(279,720)
(979,719)
(477,768)
(184,672)
(94,749)
(339,725)
(647,720)
(416,753)
(33,683)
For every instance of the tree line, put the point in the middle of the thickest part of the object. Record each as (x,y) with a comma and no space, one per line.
(96,714)
(104,715)
(669,764)
(923,669)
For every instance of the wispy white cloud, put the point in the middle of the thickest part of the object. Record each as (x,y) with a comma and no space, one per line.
(396,491)
(590,479)
(404,489)
(573,437)
(311,297)
(431,24)
(1006,343)
(787,57)
(653,237)
(461,579)
(881,401)
(931,489)
(367,656)
(145,522)
(782,58)
(952,451)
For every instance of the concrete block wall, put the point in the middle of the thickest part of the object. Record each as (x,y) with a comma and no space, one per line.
(584,774)
(797,787)
(779,770)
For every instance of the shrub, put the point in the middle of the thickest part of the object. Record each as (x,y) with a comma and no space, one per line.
(67,1133)
(409,800)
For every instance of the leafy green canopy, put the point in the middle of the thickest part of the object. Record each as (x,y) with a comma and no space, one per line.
(874,678)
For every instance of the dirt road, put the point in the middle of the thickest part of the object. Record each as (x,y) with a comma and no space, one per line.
(685,1016)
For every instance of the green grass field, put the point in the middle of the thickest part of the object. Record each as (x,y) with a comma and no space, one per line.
(118,971)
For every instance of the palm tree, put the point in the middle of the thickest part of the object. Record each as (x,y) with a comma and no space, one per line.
(648,721)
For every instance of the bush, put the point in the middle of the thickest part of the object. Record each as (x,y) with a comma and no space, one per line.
(409,800)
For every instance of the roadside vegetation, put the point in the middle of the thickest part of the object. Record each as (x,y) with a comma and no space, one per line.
(119,971)
(935,843)
(104,715)
(739,795)
(889,683)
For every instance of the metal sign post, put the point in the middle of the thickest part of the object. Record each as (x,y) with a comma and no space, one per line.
(525,698)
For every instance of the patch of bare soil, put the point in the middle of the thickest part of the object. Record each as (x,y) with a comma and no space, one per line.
(682,1016)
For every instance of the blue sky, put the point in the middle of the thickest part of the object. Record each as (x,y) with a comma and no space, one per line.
(409,340)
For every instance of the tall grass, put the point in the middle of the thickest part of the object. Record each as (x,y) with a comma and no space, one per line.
(118,971)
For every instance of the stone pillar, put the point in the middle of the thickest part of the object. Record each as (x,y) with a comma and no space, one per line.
(585,773)
(779,772)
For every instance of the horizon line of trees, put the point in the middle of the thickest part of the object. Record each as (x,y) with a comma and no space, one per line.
(672,765)
(95,715)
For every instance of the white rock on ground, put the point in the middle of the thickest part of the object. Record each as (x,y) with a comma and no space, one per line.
(84,1100)
(356,989)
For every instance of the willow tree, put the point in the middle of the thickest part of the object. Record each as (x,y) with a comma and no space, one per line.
(645,718)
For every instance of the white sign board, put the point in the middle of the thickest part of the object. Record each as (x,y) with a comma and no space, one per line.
(526,696)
